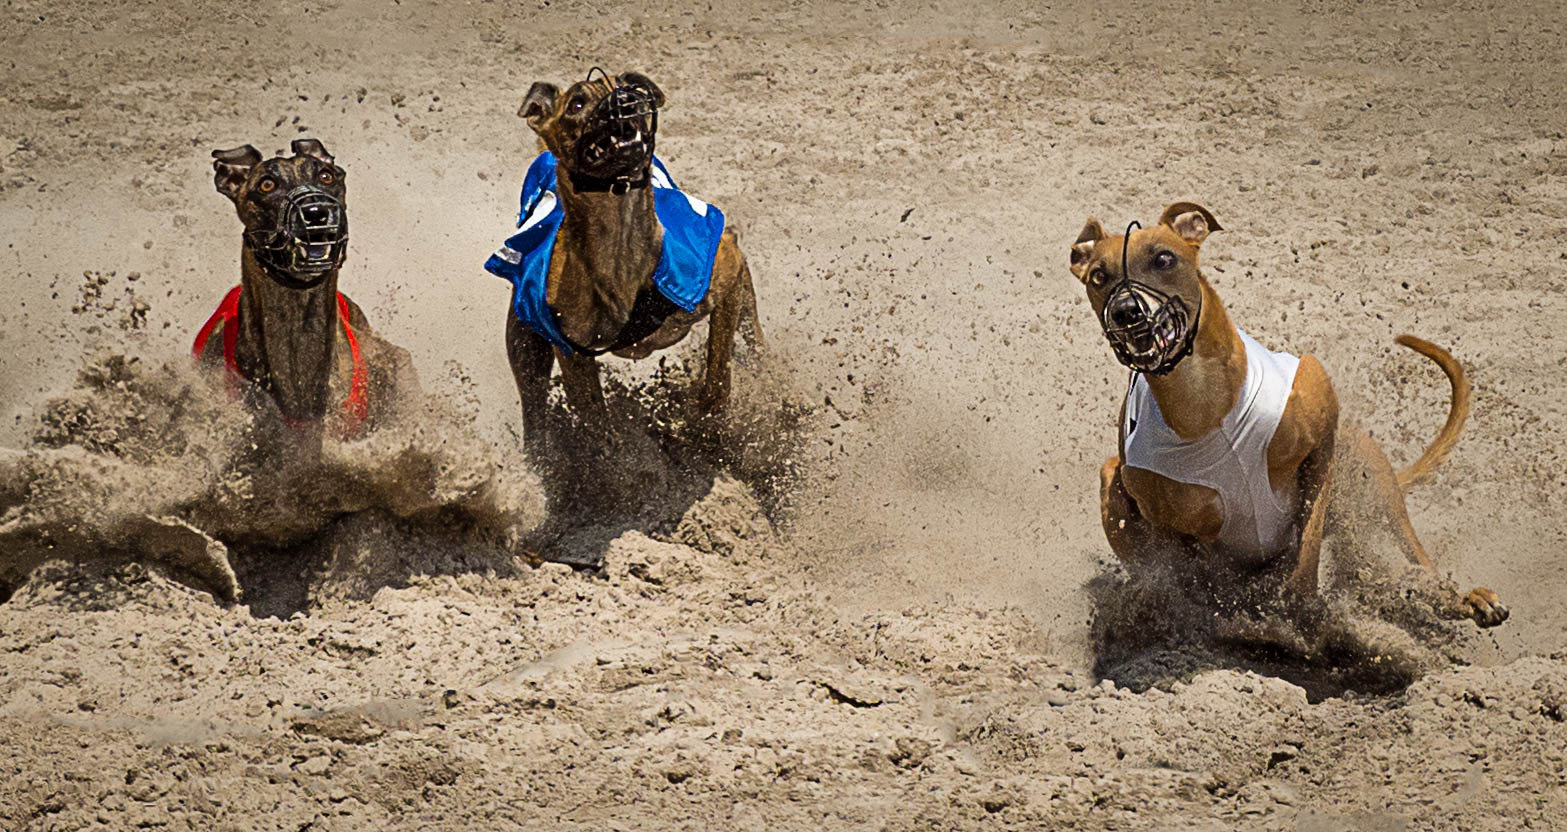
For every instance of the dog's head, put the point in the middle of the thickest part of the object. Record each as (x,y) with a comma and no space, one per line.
(602,127)
(294,209)
(1145,287)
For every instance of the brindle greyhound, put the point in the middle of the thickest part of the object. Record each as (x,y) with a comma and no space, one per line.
(601,289)
(285,328)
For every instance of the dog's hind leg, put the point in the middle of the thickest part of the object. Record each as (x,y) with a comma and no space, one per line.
(1480,604)
(720,349)
(531,358)
(731,277)
(1316,478)
(1383,482)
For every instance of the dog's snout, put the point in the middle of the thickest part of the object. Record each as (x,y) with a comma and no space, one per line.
(315,214)
(1125,311)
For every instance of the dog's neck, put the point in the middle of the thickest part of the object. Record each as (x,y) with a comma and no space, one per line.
(1195,397)
(605,252)
(286,338)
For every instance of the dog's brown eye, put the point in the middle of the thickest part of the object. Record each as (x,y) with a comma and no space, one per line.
(327,177)
(1097,276)
(267,185)
(576,105)
(1163,260)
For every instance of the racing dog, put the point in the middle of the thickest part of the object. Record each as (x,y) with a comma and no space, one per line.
(1227,450)
(285,328)
(610,257)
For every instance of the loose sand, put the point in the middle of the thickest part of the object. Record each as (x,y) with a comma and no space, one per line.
(883,617)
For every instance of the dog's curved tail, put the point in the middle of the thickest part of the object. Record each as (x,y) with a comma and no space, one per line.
(1457,414)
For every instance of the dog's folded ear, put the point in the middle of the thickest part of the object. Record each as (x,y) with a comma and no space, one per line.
(1191,221)
(640,81)
(1093,232)
(312,148)
(232,167)
(538,102)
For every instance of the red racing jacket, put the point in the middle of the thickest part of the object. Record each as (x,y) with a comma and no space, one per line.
(355,410)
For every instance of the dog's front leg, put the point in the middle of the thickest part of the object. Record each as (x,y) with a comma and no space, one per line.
(720,349)
(1139,544)
(531,358)
(1316,476)
(585,394)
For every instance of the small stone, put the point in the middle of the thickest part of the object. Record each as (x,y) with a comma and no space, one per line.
(1283,793)
(909,752)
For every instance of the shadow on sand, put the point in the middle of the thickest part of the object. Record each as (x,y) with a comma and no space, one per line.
(1372,636)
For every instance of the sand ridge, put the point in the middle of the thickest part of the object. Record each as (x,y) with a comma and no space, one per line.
(896,632)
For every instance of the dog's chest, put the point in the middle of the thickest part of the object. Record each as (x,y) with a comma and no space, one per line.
(1216,487)
(561,271)
(592,308)
(225,341)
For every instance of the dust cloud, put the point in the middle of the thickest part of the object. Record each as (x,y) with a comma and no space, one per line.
(879,597)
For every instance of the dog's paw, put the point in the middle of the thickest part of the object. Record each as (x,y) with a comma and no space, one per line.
(1485,607)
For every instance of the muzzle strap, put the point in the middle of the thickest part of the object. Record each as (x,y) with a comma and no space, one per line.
(1126,245)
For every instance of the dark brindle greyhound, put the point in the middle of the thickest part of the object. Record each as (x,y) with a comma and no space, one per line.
(612,250)
(285,328)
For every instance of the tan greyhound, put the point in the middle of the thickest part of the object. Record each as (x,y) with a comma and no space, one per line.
(1227,449)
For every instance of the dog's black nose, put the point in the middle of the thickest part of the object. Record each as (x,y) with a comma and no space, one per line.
(1125,311)
(315,214)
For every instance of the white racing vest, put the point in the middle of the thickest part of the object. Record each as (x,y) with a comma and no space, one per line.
(1231,459)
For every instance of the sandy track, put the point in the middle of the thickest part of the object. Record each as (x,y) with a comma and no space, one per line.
(908,180)
(683,691)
